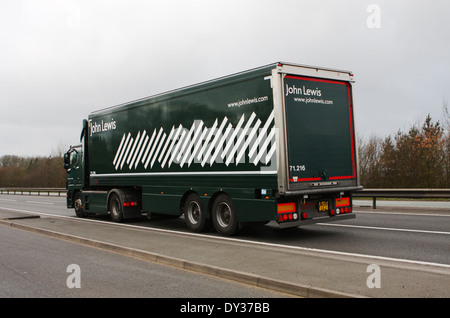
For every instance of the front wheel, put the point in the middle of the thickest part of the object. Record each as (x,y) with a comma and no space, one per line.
(78,205)
(224,215)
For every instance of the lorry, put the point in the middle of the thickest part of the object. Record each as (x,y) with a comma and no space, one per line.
(274,143)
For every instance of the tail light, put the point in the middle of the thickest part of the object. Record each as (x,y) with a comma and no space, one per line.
(286,207)
(343,205)
(340,202)
(287,212)
(132,203)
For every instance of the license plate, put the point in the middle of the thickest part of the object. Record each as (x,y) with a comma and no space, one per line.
(323,206)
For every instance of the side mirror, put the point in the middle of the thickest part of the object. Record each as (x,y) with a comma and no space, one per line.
(66,161)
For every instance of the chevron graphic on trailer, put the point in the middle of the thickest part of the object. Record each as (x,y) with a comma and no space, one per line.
(221,143)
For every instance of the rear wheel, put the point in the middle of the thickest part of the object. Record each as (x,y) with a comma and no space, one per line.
(115,208)
(224,215)
(194,214)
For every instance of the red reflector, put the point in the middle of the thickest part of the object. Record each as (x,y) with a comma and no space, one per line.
(286,207)
(304,215)
(342,202)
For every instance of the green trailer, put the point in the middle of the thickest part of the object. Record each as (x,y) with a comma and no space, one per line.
(275,143)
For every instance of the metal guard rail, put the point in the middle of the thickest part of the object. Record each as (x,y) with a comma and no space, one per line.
(34,191)
(403,194)
(372,193)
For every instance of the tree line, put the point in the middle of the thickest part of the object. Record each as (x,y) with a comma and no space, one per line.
(36,172)
(417,158)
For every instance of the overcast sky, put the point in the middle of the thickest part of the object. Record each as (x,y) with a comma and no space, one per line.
(62,59)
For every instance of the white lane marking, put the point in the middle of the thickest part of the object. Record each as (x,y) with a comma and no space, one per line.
(12,200)
(383,228)
(271,245)
(402,213)
(40,202)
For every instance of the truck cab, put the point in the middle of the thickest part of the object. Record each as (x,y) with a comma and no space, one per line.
(73,164)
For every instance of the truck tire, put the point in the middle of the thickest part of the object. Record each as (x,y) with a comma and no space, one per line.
(194,214)
(115,208)
(224,215)
(78,205)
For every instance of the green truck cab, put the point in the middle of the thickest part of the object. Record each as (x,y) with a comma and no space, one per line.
(276,143)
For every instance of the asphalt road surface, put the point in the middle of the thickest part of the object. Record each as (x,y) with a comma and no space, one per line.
(415,234)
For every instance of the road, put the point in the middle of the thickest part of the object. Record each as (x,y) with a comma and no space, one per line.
(413,237)
(420,235)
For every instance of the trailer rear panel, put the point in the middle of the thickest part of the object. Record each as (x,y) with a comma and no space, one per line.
(320,136)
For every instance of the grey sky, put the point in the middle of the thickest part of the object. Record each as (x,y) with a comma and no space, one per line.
(61,60)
